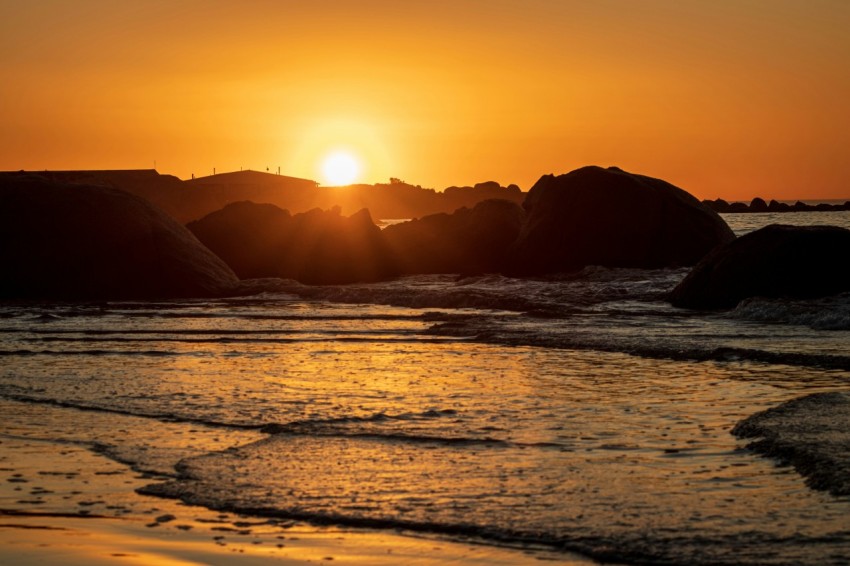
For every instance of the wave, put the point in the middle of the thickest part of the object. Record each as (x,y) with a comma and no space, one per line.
(164,417)
(110,352)
(256,480)
(181,332)
(672,347)
(338,427)
(830,313)
(589,286)
(809,433)
(378,337)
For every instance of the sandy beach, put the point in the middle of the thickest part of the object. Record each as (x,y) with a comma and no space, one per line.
(64,504)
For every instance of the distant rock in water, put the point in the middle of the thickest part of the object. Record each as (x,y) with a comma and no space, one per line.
(776,206)
(596,216)
(62,241)
(758,205)
(776,261)
(315,247)
(811,433)
(467,241)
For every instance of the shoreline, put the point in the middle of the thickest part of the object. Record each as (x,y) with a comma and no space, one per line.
(62,503)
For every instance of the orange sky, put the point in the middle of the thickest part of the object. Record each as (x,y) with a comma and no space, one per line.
(726,99)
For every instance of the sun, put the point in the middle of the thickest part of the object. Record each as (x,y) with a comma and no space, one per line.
(340,168)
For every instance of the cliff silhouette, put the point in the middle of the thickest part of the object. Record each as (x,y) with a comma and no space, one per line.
(193,199)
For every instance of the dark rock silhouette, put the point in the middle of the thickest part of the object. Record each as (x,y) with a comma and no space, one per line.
(717,205)
(776,206)
(758,205)
(316,247)
(247,236)
(596,216)
(775,261)
(467,241)
(324,247)
(193,199)
(62,241)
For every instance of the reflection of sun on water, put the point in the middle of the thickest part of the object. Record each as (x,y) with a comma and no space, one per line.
(340,168)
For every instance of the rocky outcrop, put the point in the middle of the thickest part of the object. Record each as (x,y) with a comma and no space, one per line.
(758,205)
(315,247)
(64,241)
(468,241)
(775,261)
(596,216)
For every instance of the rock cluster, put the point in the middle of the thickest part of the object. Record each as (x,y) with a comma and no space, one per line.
(315,247)
(759,205)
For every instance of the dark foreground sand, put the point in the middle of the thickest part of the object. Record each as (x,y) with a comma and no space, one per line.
(63,504)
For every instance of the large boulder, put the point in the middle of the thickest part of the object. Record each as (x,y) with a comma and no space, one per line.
(324,247)
(468,241)
(775,261)
(247,236)
(63,241)
(596,216)
(315,247)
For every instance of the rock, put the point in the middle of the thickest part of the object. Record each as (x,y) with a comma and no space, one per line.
(315,247)
(487,186)
(467,241)
(326,248)
(758,205)
(247,236)
(776,206)
(63,241)
(775,261)
(717,205)
(595,216)
(812,433)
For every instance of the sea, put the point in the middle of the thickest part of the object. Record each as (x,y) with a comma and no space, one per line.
(580,412)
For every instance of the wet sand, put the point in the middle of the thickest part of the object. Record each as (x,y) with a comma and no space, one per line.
(64,504)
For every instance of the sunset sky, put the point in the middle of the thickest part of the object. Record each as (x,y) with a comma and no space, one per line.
(727,99)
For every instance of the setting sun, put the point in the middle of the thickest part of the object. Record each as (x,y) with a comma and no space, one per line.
(340,168)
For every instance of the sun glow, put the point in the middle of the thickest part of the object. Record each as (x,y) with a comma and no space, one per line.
(340,168)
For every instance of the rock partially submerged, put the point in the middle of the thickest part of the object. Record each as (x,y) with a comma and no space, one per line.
(62,241)
(758,205)
(468,241)
(315,247)
(811,433)
(775,261)
(596,216)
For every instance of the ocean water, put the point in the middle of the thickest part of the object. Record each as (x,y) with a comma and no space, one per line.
(578,412)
